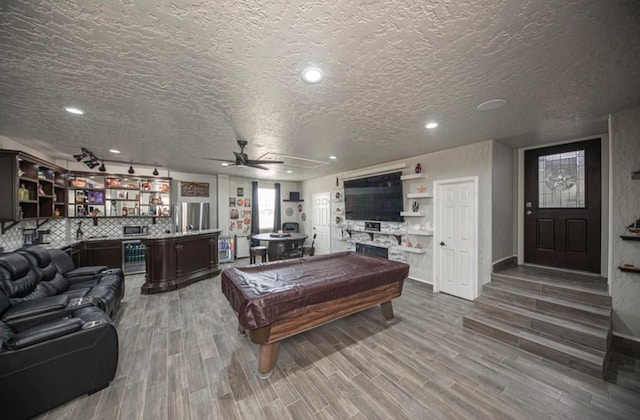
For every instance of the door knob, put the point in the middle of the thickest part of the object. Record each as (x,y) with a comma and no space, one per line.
(528,212)
(441,243)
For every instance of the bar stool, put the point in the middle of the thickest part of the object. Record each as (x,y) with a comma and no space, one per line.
(257,251)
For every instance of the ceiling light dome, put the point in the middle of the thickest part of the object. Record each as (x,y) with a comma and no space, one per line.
(492,105)
(431,125)
(312,75)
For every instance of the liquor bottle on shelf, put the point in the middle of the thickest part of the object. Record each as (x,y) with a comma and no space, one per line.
(23,192)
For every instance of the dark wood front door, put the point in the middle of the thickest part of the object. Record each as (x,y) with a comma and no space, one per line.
(562,206)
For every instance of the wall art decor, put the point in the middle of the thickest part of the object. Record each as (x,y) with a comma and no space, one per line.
(194,189)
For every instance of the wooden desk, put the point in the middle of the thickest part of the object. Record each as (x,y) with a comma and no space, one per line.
(277,245)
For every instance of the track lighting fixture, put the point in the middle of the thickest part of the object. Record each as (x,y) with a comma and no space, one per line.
(93,161)
(82,155)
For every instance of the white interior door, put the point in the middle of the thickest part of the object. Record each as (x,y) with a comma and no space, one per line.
(456,237)
(321,215)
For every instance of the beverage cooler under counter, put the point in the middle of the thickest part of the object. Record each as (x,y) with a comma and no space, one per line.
(133,259)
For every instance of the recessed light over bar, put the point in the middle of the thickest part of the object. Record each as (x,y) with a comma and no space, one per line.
(431,125)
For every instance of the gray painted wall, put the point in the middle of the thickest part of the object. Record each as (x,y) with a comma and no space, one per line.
(503,197)
(624,208)
(474,159)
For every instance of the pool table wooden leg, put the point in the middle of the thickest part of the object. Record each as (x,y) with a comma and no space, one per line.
(387,311)
(267,359)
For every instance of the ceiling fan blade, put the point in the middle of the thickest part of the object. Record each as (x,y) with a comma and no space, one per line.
(263,162)
(258,166)
(219,160)
(241,157)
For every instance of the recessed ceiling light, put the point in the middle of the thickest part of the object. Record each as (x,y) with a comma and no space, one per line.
(492,105)
(312,75)
(225,164)
(73,110)
(289,172)
(431,125)
(333,157)
(116,151)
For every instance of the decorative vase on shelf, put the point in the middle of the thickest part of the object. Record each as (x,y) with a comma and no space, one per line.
(418,168)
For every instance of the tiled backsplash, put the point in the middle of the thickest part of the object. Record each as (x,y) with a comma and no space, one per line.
(65,229)
(384,238)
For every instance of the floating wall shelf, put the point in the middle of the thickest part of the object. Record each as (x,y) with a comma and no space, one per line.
(420,232)
(629,269)
(412,176)
(419,195)
(412,213)
(413,250)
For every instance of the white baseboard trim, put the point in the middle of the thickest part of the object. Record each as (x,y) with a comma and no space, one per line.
(420,280)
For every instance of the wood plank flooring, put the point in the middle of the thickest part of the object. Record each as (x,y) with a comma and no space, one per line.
(182,358)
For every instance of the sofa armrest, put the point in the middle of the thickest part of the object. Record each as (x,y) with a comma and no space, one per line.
(34,307)
(29,319)
(44,332)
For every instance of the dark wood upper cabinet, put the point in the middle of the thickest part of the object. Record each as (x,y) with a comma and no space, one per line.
(30,188)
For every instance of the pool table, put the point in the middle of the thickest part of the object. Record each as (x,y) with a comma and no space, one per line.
(280,299)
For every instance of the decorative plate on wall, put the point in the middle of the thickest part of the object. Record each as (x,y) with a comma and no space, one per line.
(289,211)
(304,217)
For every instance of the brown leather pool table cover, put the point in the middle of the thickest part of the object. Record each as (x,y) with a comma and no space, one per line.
(265,293)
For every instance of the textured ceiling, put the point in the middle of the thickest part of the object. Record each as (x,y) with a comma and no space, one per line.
(168,82)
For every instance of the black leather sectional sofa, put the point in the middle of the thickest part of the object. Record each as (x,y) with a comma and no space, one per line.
(57,340)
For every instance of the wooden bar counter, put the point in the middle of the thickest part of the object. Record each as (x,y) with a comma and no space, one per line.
(176,260)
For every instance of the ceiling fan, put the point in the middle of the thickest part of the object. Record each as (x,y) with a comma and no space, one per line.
(243,160)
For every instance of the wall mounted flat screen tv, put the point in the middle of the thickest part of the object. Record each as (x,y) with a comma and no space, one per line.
(377,198)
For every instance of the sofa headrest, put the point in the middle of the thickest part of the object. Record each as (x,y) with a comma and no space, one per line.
(40,253)
(16,264)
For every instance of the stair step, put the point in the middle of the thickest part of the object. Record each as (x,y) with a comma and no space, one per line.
(556,276)
(579,292)
(596,337)
(563,308)
(589,362)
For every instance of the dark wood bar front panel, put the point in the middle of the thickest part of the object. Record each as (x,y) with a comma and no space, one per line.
(175,261)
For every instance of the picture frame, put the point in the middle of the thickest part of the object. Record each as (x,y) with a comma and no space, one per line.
(240,192)
(194,189)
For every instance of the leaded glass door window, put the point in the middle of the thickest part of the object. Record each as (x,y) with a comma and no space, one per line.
(561,180)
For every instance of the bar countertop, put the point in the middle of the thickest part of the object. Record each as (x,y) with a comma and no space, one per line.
(70,243)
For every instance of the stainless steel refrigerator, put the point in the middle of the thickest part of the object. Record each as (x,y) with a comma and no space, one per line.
(192,216)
